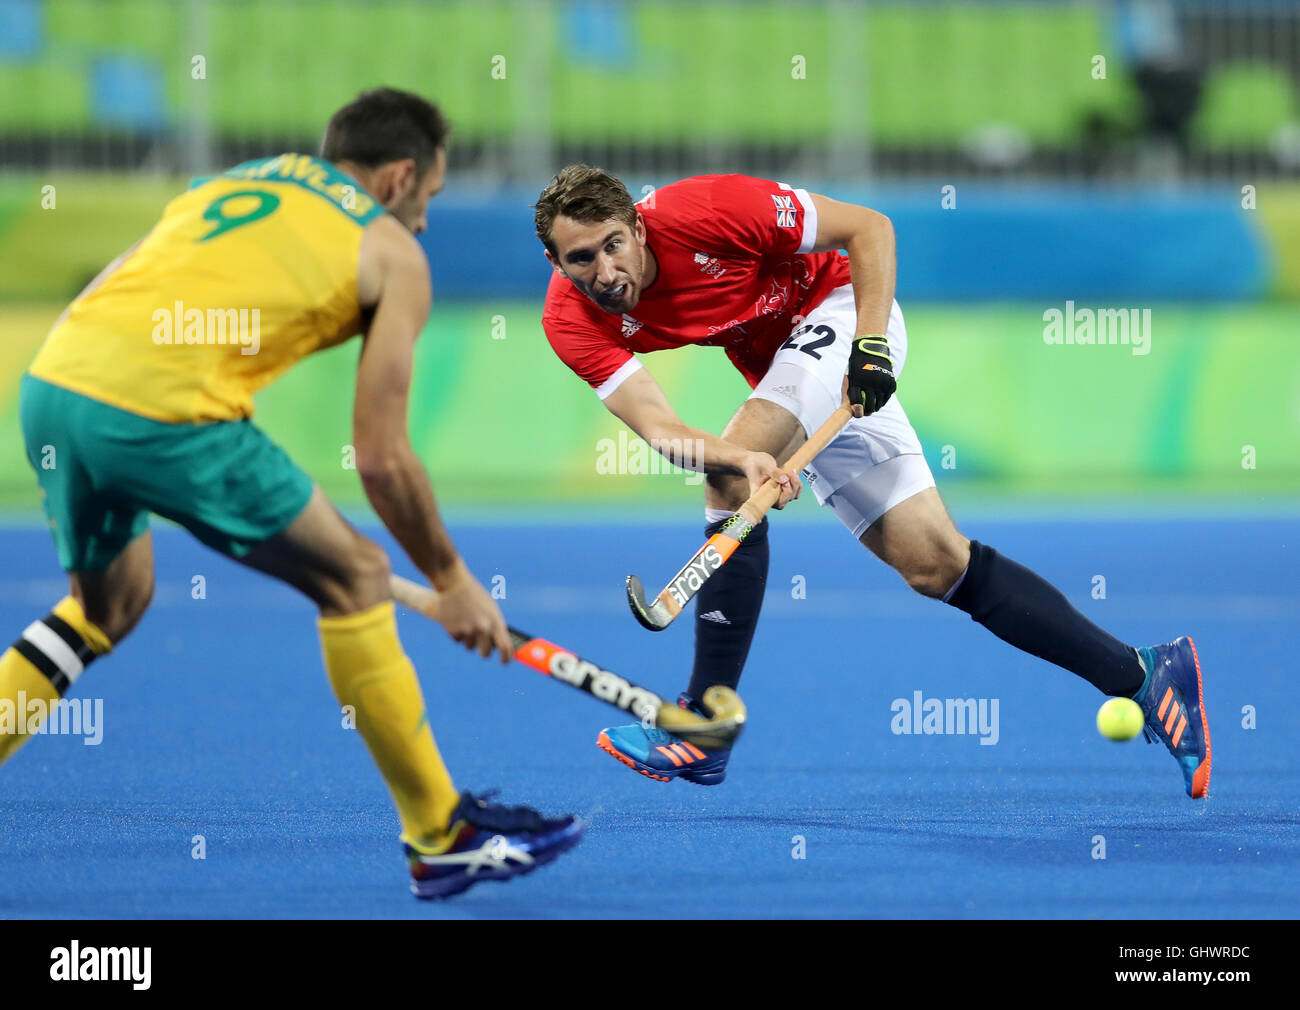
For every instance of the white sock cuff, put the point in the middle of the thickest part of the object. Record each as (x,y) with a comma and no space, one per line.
(956,585)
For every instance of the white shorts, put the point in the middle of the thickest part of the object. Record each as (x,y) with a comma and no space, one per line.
(874,462)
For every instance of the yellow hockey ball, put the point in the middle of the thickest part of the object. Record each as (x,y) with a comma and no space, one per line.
(1120,719)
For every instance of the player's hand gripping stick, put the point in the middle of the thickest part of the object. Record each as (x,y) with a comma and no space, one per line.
(871,379)
(718,731)
(681,589)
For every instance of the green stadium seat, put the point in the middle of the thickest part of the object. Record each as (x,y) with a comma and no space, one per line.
(897,94)
(152,29)
(1243,105)
(44,98)
(421,54)
(939,72)
(708,71)
(783,109)
(79,26)
(79,31)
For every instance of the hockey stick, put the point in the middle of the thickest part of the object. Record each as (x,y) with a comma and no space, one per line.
(718,731)
(681,589)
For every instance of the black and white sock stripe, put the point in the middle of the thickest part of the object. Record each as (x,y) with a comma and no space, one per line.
(53,646)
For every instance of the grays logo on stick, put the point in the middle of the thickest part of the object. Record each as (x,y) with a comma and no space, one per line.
(688,583)
(605,685)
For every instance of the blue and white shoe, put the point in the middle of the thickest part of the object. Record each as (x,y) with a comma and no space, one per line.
(663,756)
(489,842)
(1173,701)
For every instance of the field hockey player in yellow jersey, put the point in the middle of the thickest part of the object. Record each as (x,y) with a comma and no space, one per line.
(144,389)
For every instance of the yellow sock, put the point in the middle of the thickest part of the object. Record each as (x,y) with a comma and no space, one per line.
(38,669)
(369,671)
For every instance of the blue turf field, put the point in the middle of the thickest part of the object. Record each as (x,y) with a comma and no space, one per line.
(218,721)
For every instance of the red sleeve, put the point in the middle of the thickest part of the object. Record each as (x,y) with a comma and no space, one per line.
(761,217)
(593,353)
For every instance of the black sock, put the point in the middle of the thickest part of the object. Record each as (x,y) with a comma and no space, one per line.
(726,612)
(1027,611)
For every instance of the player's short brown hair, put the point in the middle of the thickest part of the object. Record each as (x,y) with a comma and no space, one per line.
(383,125)
(584,194)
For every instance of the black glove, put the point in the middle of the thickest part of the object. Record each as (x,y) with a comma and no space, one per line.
(871,373)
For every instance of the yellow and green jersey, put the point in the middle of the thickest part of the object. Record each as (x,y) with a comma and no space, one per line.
(244,275)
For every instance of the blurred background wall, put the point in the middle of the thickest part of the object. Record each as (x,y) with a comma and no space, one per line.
(1034,155)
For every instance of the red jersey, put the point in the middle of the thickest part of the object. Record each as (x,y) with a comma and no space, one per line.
(734,270)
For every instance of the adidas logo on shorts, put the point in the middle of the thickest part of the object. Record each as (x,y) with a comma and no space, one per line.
(791,391)
(716,616)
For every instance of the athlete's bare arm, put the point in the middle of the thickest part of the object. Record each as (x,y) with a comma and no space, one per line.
(393,279)
(868,237)
(641,404)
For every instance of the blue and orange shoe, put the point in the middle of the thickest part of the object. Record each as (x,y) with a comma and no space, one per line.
(663,756)
(1173,701)
(489,842)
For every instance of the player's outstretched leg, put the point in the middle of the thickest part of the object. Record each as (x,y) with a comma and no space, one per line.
(451,841)
(53,652)
(917,538)
(1173,701)
(1025,610)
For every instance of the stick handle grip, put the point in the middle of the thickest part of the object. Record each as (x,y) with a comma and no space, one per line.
(422,599)
(766,496)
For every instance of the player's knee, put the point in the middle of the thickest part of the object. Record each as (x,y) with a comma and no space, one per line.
(925,578)
(376,568)
(117,612)
(935,571)
(367,578)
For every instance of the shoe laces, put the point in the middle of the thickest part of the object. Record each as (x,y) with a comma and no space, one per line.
(658,736)
(497,817)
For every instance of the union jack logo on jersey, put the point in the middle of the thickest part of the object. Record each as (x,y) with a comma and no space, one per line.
(784,210)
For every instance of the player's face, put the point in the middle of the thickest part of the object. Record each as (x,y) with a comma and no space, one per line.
(410,201)
(604,259)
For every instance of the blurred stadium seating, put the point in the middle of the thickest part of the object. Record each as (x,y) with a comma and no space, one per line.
(1169,181)
(674,86)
